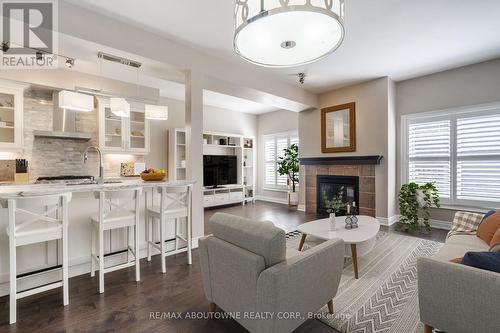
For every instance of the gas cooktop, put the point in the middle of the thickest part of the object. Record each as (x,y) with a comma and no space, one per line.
(66,180)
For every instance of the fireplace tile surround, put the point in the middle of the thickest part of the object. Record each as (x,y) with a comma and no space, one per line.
(365,172)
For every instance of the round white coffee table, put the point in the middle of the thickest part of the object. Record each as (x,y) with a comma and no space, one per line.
(361,239)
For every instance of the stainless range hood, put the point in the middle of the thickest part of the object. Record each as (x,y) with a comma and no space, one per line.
(63,124)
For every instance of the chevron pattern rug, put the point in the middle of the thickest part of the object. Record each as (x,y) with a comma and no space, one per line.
(384,298)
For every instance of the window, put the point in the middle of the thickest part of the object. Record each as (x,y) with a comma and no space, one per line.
(274,146)
(458,150)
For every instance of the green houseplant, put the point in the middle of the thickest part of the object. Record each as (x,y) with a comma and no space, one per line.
(415,202)
(289,165)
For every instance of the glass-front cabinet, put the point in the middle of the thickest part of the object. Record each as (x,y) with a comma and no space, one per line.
(11,116)
(123,134)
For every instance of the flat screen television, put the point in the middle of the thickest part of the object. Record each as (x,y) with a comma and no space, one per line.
(219,170)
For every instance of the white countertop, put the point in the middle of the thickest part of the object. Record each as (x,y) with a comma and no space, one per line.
(13,190)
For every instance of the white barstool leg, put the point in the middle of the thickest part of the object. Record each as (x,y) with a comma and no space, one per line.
(13,278)
(129,244)
(149,234)
(149,224)
(65,265)
(189,245)
(137,256)
(188,237)
(92,250)
(162,245)
(176,234)
(101,259)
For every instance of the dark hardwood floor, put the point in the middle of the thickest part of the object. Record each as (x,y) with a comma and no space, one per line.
(127,306)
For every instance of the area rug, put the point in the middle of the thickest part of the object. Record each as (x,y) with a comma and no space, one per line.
(384,298)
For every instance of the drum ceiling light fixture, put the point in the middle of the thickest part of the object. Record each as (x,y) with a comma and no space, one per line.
(287,33)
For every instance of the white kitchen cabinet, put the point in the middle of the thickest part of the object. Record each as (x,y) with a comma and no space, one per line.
(123,135)
(11,116)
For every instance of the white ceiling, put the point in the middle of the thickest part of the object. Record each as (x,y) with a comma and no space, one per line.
(395,38)
(152,74)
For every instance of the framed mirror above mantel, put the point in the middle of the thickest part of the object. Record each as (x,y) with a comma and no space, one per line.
(338,128)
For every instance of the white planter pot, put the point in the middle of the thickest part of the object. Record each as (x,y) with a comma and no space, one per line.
(293,198)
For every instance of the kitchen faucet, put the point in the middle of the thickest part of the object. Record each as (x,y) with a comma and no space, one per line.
(100,180)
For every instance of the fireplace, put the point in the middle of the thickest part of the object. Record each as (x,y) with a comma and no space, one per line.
(347,187)
(359,169)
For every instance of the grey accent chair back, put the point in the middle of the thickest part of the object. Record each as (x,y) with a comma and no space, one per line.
(246,271)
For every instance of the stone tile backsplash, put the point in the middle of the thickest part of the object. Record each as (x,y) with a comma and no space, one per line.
(56,157)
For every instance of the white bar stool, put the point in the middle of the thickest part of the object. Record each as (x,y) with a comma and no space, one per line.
(37,219)
(115,213)
(175,204)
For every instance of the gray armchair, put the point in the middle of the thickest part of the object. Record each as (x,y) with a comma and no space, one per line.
(246,272)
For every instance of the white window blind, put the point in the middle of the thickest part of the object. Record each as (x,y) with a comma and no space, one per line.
(274,146)
(459,151)
(478,158)
(430,154)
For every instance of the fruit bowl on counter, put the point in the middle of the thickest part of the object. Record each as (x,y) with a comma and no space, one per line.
(153,175)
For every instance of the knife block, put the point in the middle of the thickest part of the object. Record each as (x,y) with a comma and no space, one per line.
(22,177)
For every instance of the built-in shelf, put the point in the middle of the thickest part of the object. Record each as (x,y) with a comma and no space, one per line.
(137,136)
(7,127)
(113,119)
(221,146)
(7,108)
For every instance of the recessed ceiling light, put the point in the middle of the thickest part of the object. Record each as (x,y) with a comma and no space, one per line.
(70,62)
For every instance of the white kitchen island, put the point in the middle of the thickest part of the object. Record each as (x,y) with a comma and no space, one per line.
(82,206)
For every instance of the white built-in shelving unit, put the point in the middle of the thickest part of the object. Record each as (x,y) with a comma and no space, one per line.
(177,154)
(11,116)
(123,135)
(216,143)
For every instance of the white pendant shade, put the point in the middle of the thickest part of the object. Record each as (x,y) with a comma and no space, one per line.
(120,107)
(287,33)
(71,100)
(156,112)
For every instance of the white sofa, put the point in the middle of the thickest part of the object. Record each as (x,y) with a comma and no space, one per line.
(456,298)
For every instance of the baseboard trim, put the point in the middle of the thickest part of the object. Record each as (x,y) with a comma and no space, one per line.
(436,224)
(301,208)
(388,221)
(271,199)
(77,266)
(439,224)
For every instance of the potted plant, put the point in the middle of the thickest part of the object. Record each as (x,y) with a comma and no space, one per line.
(289,165)
(415,202)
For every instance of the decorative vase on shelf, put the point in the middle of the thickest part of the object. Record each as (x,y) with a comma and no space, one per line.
(332,221)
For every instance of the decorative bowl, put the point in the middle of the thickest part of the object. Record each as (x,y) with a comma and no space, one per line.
(153,177)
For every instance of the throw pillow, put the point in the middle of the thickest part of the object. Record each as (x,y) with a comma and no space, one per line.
(489,227)
(457,260)
(496,237)
(489,213)
(489,261)
(465,223)
(494,247)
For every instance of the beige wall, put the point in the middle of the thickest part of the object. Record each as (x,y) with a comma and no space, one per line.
(226,121)
(469,85)
(272,123)
(373,130)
